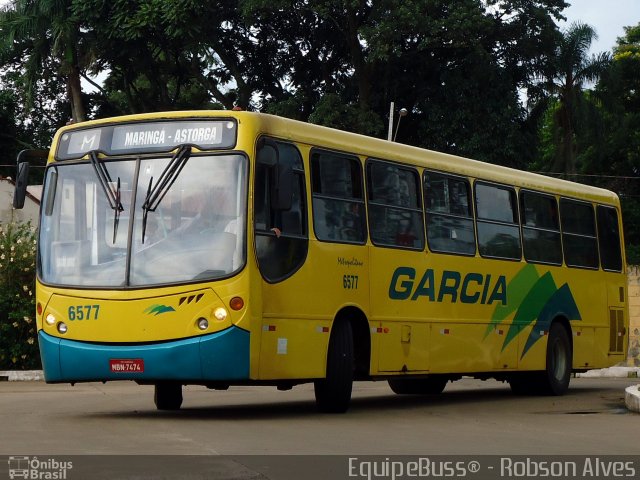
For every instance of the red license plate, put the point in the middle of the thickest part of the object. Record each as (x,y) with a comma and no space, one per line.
(126,365)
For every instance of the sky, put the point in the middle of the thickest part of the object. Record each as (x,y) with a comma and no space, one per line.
(608,17)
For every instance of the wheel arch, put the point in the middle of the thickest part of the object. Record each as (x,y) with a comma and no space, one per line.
(564,321)
(361,339)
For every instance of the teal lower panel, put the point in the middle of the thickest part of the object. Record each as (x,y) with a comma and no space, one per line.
(219,356)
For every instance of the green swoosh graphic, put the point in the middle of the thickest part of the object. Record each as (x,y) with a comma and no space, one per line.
(560,303)
(531,306)
(158,309)
(517,289)
(533,298)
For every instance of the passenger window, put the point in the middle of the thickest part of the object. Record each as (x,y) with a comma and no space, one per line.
(280,235)
(579,234)
(447,203)
(609,238)
(338,200)
(540,228)
(395,211)
(497,221)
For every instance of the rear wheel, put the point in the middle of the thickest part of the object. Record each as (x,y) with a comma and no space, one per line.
(555,379)
(420,386)
(333,393)
(168,396)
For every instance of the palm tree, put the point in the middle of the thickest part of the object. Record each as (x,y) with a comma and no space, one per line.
(42,31)
(566,74)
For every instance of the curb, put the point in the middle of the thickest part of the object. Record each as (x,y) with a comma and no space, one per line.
(21,376)
(632,398)
(611,372)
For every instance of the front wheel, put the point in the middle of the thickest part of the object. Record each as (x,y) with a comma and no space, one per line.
(333,393)
(168,396)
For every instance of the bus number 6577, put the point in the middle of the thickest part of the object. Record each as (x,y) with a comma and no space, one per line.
(350,282)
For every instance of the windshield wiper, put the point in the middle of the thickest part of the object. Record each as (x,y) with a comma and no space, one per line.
(116,213)
(113,197)
(155,193)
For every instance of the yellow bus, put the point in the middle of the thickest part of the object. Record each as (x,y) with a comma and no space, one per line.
(224,248)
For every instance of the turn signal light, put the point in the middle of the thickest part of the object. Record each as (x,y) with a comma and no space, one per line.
(236,303)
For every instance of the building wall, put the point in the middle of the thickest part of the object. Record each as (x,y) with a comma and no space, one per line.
(633,358)
(8,214)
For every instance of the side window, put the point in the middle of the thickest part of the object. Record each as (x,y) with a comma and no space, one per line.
(609,238)
(579,234)
(497,221)
(338,200)
(281,232)
(395,213)
(540,228)
(447,202)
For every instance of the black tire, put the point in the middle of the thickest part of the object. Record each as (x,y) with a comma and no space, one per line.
(168,396)
(421,386)
(556,377)
(554,380)
(333,393)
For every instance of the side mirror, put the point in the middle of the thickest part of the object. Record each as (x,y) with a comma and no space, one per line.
(22,181)
(22,176)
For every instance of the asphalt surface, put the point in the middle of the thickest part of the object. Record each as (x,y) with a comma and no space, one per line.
(251,432)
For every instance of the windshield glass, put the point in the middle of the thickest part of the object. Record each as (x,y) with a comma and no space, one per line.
(196,232)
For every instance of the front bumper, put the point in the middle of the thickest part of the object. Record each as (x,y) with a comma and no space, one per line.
(220,356)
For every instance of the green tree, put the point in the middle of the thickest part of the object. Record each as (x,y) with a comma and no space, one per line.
(171,54)
(612,150)
(457,67)
(565,74)
(8,133)
(41,33)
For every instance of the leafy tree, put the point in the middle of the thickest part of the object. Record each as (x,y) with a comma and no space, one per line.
(8,133)
(41,33)
(188,54)
(33,127)
(457,67)
(565,74)
(613,149)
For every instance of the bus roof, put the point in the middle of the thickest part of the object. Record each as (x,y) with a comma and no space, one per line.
(316,135)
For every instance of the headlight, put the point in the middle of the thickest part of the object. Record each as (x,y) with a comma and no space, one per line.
(220,314)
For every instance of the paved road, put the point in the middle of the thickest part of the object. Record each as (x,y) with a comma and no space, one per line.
(470,417)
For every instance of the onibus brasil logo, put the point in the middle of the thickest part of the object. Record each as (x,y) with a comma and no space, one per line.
(38,469)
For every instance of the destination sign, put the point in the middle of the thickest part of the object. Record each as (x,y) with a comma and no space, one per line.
(144,137)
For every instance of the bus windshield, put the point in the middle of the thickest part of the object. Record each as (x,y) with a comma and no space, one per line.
(195,232)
